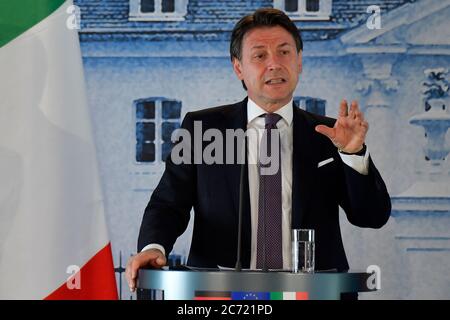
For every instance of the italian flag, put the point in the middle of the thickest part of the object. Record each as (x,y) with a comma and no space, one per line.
(53,236)
(289,296)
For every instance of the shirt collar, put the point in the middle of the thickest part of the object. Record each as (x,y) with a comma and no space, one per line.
(254,111)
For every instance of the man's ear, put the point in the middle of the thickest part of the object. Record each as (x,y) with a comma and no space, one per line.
(237,67)
(300,64)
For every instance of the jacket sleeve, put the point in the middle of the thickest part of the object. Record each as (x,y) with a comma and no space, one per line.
(365,198)
(167,214)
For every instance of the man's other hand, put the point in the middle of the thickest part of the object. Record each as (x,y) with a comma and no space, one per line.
(148,258)
(350,129)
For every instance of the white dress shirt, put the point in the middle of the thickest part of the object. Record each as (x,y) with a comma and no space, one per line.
(255,122)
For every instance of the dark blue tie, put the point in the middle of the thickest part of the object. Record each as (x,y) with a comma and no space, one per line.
(269,240)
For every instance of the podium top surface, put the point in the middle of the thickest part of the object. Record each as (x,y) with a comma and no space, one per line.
(320,285)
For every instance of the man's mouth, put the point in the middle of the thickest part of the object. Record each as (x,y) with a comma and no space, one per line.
(275,81)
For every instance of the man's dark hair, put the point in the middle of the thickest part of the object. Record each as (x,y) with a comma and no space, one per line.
(264,17)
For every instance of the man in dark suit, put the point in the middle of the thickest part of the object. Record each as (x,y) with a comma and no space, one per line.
(324,164)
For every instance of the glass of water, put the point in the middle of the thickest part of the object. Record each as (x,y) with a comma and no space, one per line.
(303,250)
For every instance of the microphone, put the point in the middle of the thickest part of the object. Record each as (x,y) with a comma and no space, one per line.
(238,266)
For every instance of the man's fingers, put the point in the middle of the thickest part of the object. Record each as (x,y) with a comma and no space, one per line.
(343,109)
(132,285)
(130,274)
(133,271)
(128,270)
(365,125)
(128,278)
(353,112)
(353,109)
(327,131)
(158,262)
(161,261)
(359,115)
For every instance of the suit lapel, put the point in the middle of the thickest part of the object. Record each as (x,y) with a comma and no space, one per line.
(303,167)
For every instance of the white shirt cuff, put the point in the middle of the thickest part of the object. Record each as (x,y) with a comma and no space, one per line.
(154,246)
(358,163)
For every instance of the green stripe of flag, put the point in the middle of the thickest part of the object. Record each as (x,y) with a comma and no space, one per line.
(276,296)
(17,16)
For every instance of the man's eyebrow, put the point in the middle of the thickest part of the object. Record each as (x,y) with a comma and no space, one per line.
(264,46)
(285,44)
(258,47)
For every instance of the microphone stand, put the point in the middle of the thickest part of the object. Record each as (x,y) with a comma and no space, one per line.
(262,184)
(238,266)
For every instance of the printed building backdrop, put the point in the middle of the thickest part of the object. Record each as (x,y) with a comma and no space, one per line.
(148,62)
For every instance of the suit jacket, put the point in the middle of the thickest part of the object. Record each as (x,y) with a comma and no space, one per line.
(213,192)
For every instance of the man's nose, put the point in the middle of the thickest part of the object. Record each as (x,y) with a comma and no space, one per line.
(273,63)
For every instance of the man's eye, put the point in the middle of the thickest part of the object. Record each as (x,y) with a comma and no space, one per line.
(259,56)
(285,52)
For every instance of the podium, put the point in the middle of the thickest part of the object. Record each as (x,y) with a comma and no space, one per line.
(185,285)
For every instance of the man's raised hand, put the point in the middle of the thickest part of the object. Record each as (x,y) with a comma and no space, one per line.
(349,131)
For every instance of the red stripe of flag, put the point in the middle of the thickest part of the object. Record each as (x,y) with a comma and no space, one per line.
(301,296)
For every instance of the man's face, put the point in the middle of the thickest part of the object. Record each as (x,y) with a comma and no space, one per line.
(269,66)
